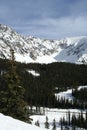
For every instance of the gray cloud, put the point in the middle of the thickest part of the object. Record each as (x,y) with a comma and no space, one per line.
(45,18)
(55,28)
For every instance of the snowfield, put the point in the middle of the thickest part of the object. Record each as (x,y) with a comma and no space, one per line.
(56,114)
(8,123)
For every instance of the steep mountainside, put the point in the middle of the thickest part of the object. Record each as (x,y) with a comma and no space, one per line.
(31,49)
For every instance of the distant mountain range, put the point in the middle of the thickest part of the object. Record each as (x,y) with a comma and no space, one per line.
(31,49)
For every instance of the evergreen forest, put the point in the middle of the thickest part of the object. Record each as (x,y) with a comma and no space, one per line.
(53,78)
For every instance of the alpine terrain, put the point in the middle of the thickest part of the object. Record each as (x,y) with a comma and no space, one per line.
(31,49)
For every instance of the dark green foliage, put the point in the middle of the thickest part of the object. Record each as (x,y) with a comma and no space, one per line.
(53,78)
(12,93)
(55,75)
(80,94)
(78,120)
(81,97)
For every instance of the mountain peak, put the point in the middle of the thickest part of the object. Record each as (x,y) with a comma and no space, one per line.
(32,49)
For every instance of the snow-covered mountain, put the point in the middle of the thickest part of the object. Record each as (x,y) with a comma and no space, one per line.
(31,49)
(75,50)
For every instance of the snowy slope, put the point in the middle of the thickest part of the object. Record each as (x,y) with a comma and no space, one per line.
(68,93)
(75,52)
(8,123)
(31,49)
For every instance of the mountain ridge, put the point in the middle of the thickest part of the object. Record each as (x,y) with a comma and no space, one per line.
(31,49)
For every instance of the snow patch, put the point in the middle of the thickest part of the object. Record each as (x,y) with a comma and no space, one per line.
(34,73)
(67,94)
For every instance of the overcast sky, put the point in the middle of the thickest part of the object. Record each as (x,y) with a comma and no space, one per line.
(50,19)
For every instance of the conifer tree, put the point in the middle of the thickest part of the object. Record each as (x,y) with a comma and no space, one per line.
(86,119)
(54,125)
(47,123)
(69,118)
(12,95)
(73,127)
(37,123)
(61,123)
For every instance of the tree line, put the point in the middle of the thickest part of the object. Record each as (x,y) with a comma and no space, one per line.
(68,122)
(80,95)
(74,121)
(40,91)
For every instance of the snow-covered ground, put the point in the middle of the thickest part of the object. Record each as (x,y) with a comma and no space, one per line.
(68,94)
(8,123)
(56,114)
(34,73)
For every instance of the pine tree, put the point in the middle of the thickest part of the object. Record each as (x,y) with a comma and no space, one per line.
(86,119)
(61,123)
(69,118)
(37,123)
(86,116)
(12,95)
(54,125)
(73,127)
(47,123)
